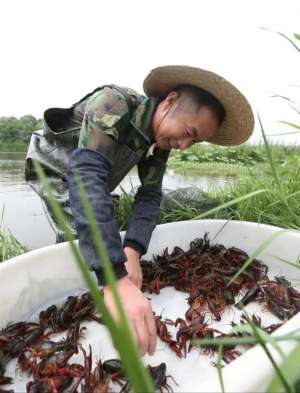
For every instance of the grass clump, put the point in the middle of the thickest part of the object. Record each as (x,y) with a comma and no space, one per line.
(9,246)
(246,154)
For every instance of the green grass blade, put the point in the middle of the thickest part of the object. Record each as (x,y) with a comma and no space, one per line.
(246,327)
(9,246)
(257,252)
(275,174)
(230,203)
(295,265)
(59,215)
(137,372)
(290,124)
(180,205)
(287,197)
(284,36)
(219,367)
(2,216)
(251,340)
(100,246)
(289,368)
(262,342)
(283,97)
(270,339)
(269,155)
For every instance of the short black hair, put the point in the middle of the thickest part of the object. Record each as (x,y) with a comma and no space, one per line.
(192,98)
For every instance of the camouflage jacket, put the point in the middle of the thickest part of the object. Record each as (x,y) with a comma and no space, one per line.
(124,139)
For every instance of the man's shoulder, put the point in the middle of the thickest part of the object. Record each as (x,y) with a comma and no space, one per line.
(133,94)
(114,99)
(115,91)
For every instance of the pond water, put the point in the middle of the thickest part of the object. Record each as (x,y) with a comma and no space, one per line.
(24,213)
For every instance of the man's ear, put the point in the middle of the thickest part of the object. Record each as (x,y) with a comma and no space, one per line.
(172,97)
(170,101)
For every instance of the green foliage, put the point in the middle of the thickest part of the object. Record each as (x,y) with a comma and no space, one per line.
(264,207)
(290,369)
(268,208)
(256,253)
(256,335)
(14,130)
(122,210)
(9,246)
(246,155)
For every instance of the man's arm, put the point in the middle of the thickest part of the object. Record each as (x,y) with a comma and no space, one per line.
(93,164)
(145,210)
(93,169)
(91,161)
(147,201)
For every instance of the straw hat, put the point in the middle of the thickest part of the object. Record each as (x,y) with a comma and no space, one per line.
(238,124)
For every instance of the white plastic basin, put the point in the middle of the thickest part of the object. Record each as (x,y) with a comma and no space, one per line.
(30,282)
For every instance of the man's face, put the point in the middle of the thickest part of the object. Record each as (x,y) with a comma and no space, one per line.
(180,130)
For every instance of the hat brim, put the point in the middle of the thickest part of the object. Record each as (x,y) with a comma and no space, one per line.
(238,124)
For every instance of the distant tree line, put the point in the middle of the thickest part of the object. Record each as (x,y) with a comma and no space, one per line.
(18,130)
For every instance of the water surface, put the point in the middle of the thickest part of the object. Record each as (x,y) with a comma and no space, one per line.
(25,215)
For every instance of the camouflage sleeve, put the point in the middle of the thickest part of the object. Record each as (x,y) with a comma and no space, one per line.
(102,113)
(92,162)
(147,201)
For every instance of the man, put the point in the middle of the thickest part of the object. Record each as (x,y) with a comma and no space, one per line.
(119,129)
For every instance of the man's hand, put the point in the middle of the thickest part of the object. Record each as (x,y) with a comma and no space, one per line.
(133,266)
(138,310)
